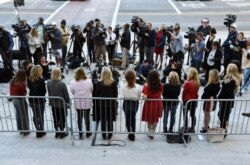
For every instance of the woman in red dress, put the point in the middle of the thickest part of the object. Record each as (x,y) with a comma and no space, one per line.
(152,109)
(159,46)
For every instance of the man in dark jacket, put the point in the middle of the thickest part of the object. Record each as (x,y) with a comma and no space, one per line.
(6,45)
(90,42)
(79,41)
(55,37)
(227,49)
(99,35)
(149,42)
(125,45)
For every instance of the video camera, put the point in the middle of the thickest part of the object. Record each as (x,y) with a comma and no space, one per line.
(167,34)
(135,24)
(49,28)
(117,30)
(229,19)
(190,35)
(20,29)
(75,28)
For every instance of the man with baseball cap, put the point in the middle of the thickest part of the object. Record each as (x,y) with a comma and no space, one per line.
(55,37)
(65,37)
(228,52)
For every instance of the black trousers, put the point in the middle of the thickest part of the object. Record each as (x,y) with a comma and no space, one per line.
(59,116)
(86,114)
(192,108)
(106,125)
(111,51)
(38,115)
(130,108)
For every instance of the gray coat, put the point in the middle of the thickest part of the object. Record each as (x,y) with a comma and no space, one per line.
(57,88)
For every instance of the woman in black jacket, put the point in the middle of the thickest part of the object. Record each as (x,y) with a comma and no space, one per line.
(171,90)
(37,87)
(211,91)
(230,87)
(105,109)
(214,58)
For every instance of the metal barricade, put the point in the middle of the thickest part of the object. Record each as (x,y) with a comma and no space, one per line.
(225,113)
(26,114)
(110,116)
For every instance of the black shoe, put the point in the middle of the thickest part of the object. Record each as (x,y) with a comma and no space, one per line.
(88,135)
(131,137)
(151,137)
(110,136)
(165,130)
(81,136)
(104,136)
(97,64)
(63,135)
(57,135)
(203,131)
(246,114)
(26,133)
(40,134)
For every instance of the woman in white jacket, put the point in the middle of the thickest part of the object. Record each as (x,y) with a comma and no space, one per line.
(35,45)
(81,87)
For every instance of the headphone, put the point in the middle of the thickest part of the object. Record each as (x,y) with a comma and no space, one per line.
(205,19)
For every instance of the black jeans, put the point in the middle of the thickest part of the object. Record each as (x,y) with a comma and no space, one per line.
(38,115)
(130,108)
(106,125)
(86,114)
(191,107)
(59,116)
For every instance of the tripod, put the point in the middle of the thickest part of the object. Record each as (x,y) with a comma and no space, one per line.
(240,92)
(74,38)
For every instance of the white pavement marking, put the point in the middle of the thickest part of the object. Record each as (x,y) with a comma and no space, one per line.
(115,13)
(193,5)
(4,1)
(232,0)
(53,14)
(175,7)
(237,4)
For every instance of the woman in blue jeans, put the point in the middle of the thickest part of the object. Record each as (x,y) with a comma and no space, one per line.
(132,94)
(171,90)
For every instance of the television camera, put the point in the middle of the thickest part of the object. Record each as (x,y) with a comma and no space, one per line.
(136,23)
(230,18)
(117,30)
(190,35)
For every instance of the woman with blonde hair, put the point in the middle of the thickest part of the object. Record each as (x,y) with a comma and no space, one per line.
(105,109)
(35,44)
(37,87)
(81,86)
(211,91)
(18,88)
(190,91)
(57,88)
(171,90)
(230,86)
(132,93)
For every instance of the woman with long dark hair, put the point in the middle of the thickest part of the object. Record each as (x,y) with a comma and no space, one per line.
(18,88)
(152,109)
